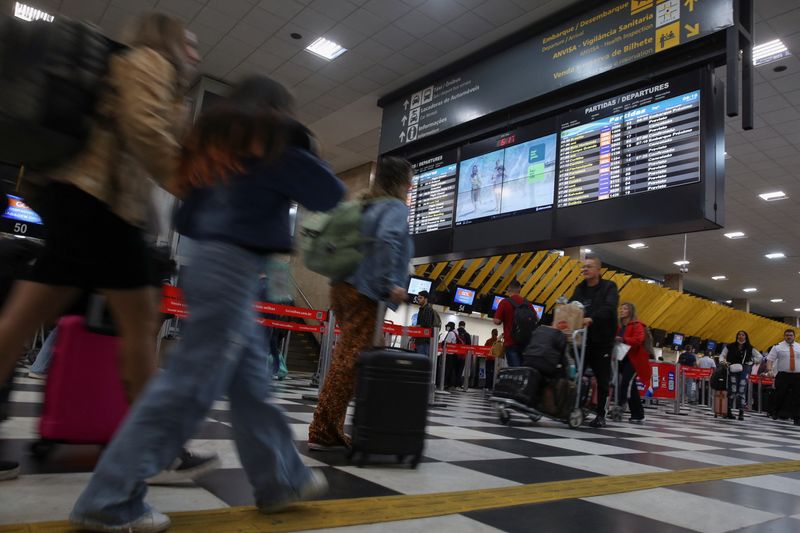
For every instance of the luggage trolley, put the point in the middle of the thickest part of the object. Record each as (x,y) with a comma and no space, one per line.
(506,405)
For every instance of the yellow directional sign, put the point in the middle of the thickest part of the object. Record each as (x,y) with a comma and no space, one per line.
(692,29)
(689,4)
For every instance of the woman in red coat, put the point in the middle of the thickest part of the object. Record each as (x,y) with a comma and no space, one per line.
(636,362)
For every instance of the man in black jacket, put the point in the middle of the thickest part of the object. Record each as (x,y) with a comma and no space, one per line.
(427,317)
(600,300)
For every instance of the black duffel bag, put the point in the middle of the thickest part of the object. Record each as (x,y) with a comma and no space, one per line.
(520,383)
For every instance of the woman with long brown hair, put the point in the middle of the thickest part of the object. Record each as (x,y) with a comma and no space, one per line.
(244,163)
(95,207)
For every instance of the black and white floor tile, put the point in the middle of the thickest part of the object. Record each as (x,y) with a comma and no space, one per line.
(467,448)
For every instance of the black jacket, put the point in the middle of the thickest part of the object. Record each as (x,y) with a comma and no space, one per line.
(428,318)
(464,336)
(601,308)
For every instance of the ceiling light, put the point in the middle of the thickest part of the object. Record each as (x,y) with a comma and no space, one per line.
(587,250)
(797,309)
(637,245)
(681,263)
(750,289)
(326,49)
(768,52)
(650,281)
(775,255)
(776,300)
(719,278)
(29,13)
(728,301)
(736,235)
(774,195)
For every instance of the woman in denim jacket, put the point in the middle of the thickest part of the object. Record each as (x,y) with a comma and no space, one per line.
(381,276)
(244,163)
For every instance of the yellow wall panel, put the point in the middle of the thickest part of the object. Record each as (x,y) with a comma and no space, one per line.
(470,271)
(451,275)
(516,271)
(486,287)
(437,270)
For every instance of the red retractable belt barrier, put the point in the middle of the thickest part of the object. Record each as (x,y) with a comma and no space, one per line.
(411,331)
(764,380)
(692,372)
(463,349)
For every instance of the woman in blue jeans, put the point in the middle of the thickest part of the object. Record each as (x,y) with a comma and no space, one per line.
(245,161)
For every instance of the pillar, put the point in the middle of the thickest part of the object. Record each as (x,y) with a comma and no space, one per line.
(576,252)
(674,282)
(741,304)
(791,320)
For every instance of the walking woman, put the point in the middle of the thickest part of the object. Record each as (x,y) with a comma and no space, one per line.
(636,361)
(244,163)
(95,207)
(740,357)
(381,276)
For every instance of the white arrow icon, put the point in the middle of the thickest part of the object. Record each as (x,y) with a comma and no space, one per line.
(402,137)
(403,120)
(405,104)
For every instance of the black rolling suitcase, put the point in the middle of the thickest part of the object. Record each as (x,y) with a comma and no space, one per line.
(520,383)
(391,410)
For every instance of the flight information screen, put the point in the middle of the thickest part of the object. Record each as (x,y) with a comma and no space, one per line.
(641,141)
(431,200)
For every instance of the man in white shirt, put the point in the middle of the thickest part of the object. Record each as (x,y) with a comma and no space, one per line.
(783,362)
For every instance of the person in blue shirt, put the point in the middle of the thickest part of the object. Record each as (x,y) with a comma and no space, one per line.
(244,162)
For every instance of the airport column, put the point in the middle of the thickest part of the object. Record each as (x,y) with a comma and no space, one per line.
(741,304)
(674,282)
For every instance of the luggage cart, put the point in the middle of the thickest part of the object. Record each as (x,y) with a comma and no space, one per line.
(506,405)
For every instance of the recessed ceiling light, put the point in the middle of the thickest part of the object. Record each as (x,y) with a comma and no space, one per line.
(774,195)
(736,235)
(728,301)
(637,245)
(750,289)
(29,13)
(776,300)
(768,52)
(587,250)
(775,255)
(326,49)
(719,278)
(681,263)
(797,309)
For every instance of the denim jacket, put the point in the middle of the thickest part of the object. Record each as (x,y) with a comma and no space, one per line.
(387,257)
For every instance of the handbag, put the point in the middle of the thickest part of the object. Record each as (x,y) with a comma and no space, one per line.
(736,368)
(620,350)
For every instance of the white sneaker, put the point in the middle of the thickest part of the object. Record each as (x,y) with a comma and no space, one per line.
(316,485)
(187,467)
(34,375)
(151,522)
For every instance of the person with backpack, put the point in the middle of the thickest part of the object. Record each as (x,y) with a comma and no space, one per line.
(246,160)
(600,300)
(102,195)
(380,276)
(519,319)
(636,361)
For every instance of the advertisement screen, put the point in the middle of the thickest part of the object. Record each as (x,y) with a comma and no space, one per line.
(17,210)
(464,296)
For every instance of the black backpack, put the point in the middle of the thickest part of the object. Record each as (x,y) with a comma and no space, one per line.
(719,379)
(523,322)
(51,76)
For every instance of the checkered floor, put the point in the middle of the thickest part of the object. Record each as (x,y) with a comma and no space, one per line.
(467,448)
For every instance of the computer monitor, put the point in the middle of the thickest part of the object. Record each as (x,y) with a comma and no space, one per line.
(539,308)
(463,298)
(496,301)
(711,346)
(677,339)
(416,285)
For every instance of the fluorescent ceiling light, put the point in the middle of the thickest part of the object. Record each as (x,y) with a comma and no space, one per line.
(776,300)
(775,255)
(719,278)
(587,250)
(681,263)
(736,235)
(650,280)
(774,195)
(326,49)
(768,52)
(797,309)
(637,245)
(30,13)
(728,301)
(750,289)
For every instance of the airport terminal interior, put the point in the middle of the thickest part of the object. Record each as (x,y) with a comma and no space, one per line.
(661,137)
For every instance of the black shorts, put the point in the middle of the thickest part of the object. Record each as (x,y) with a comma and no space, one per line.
(88,246)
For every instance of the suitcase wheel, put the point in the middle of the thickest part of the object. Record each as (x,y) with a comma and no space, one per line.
(576,418)
(42,448)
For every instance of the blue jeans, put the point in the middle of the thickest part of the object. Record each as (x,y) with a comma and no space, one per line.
(737,388)
(513,356)
(222,352)
(45,355)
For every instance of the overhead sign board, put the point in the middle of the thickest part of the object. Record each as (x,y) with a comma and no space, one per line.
(598,41)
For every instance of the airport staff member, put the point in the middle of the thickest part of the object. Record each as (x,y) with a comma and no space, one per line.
(783,362)
(600,300)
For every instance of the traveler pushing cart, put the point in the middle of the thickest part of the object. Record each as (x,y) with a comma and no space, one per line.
(518,389)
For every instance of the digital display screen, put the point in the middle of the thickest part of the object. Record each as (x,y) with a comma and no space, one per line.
(496,302)
(711,346)
(514,179)
(16,209)
(638,142)
(677,339)
(431,199)
(415,285)
(464,296)
(539,308)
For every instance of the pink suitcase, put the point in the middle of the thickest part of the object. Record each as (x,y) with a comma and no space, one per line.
(84,399)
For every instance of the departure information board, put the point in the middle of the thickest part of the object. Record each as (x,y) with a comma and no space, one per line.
(431,200)
(642,141)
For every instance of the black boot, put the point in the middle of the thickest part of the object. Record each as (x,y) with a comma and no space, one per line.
(741,414)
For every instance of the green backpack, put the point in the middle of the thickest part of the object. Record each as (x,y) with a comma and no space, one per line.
(332,242)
